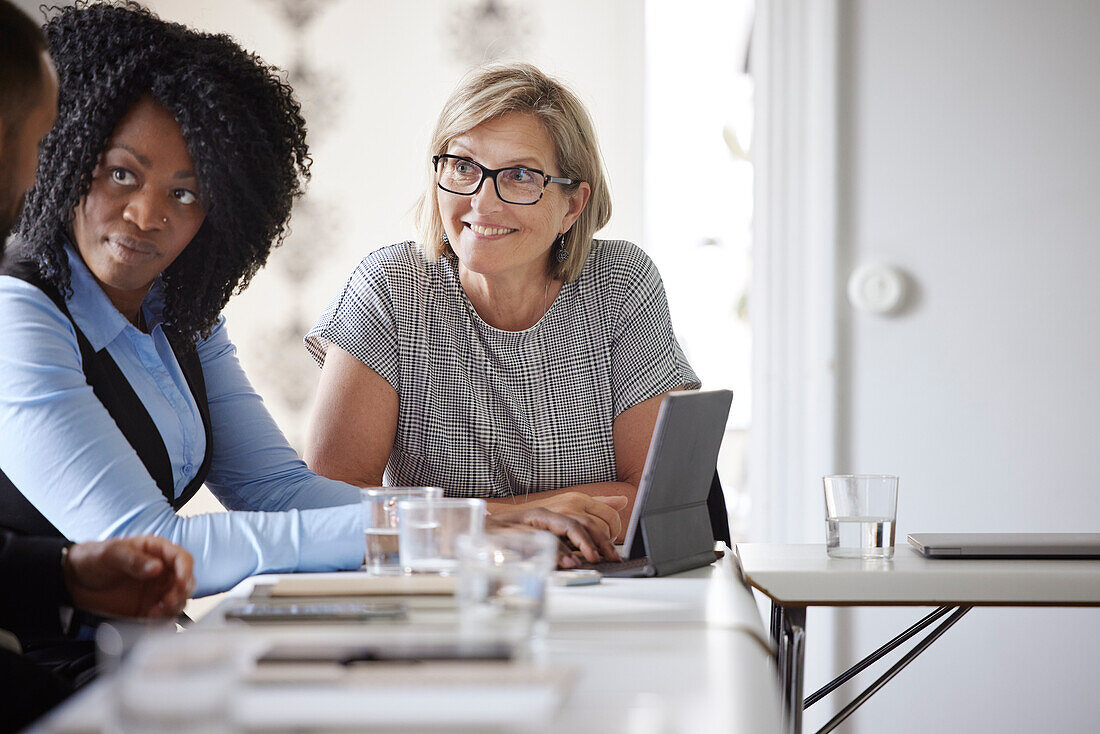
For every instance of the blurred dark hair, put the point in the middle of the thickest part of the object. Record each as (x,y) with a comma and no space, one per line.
(243,129)
(20,65)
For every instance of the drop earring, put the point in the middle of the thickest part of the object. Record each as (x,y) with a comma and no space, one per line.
(562,254)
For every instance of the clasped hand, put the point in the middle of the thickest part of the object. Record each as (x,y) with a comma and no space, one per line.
(129,577)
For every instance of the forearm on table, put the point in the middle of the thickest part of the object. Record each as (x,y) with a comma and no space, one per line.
(118,498)
(228,547)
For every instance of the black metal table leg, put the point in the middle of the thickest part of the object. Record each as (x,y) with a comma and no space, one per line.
(873,657)
(789,632)
(896,668)
(788,629)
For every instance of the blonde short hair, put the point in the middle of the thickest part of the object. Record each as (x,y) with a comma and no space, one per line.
(493,91)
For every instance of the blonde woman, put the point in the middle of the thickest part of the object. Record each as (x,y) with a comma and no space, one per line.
(510,355)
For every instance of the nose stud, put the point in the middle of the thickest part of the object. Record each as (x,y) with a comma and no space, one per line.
(164,219)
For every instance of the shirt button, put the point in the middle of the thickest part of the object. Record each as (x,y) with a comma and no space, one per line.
(187,468)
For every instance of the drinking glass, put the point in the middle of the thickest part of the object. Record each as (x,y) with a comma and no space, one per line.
(379,507)
(860,511)
(429,528)
(502,580)
(115,639)
(179,683)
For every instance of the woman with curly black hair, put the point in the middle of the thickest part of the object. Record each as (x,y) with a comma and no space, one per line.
(168,178)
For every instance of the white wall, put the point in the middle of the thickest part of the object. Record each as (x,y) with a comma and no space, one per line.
(969,157)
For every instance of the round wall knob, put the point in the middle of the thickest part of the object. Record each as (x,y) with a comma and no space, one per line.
(876,288)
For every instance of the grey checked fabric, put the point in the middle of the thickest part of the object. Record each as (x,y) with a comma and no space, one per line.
(491,413)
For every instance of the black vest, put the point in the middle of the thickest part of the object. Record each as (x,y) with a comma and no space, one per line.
(110,386)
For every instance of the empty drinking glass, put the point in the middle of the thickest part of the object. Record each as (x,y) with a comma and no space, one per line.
(502,579)
(179,684)
(429,528)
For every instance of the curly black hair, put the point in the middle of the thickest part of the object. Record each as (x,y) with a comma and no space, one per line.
(239,118)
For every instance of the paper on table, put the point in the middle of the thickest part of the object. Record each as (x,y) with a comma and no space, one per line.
(361,584)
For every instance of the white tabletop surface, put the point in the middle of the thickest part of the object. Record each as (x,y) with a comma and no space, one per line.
(681,654)
(806,575)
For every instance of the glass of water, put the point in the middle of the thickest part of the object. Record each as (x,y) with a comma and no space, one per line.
(860,510)
(379,507)
(428,530)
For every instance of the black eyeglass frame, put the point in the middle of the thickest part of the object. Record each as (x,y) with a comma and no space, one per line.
(493,173)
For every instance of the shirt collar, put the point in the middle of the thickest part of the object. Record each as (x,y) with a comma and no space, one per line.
(93,311)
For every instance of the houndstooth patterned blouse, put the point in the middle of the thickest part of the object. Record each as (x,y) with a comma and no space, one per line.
(491,413)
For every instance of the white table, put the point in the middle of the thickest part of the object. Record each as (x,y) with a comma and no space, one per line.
(797,576)
(683,654)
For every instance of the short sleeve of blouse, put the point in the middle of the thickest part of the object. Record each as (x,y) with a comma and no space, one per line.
(360,320)
(646,358)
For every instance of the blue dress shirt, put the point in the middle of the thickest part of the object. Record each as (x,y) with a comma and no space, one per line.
(63,450)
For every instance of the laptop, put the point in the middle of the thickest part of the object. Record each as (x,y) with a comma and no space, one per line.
(1006,545)
(669,529)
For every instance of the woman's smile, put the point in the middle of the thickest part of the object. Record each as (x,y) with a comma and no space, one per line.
(488,231)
